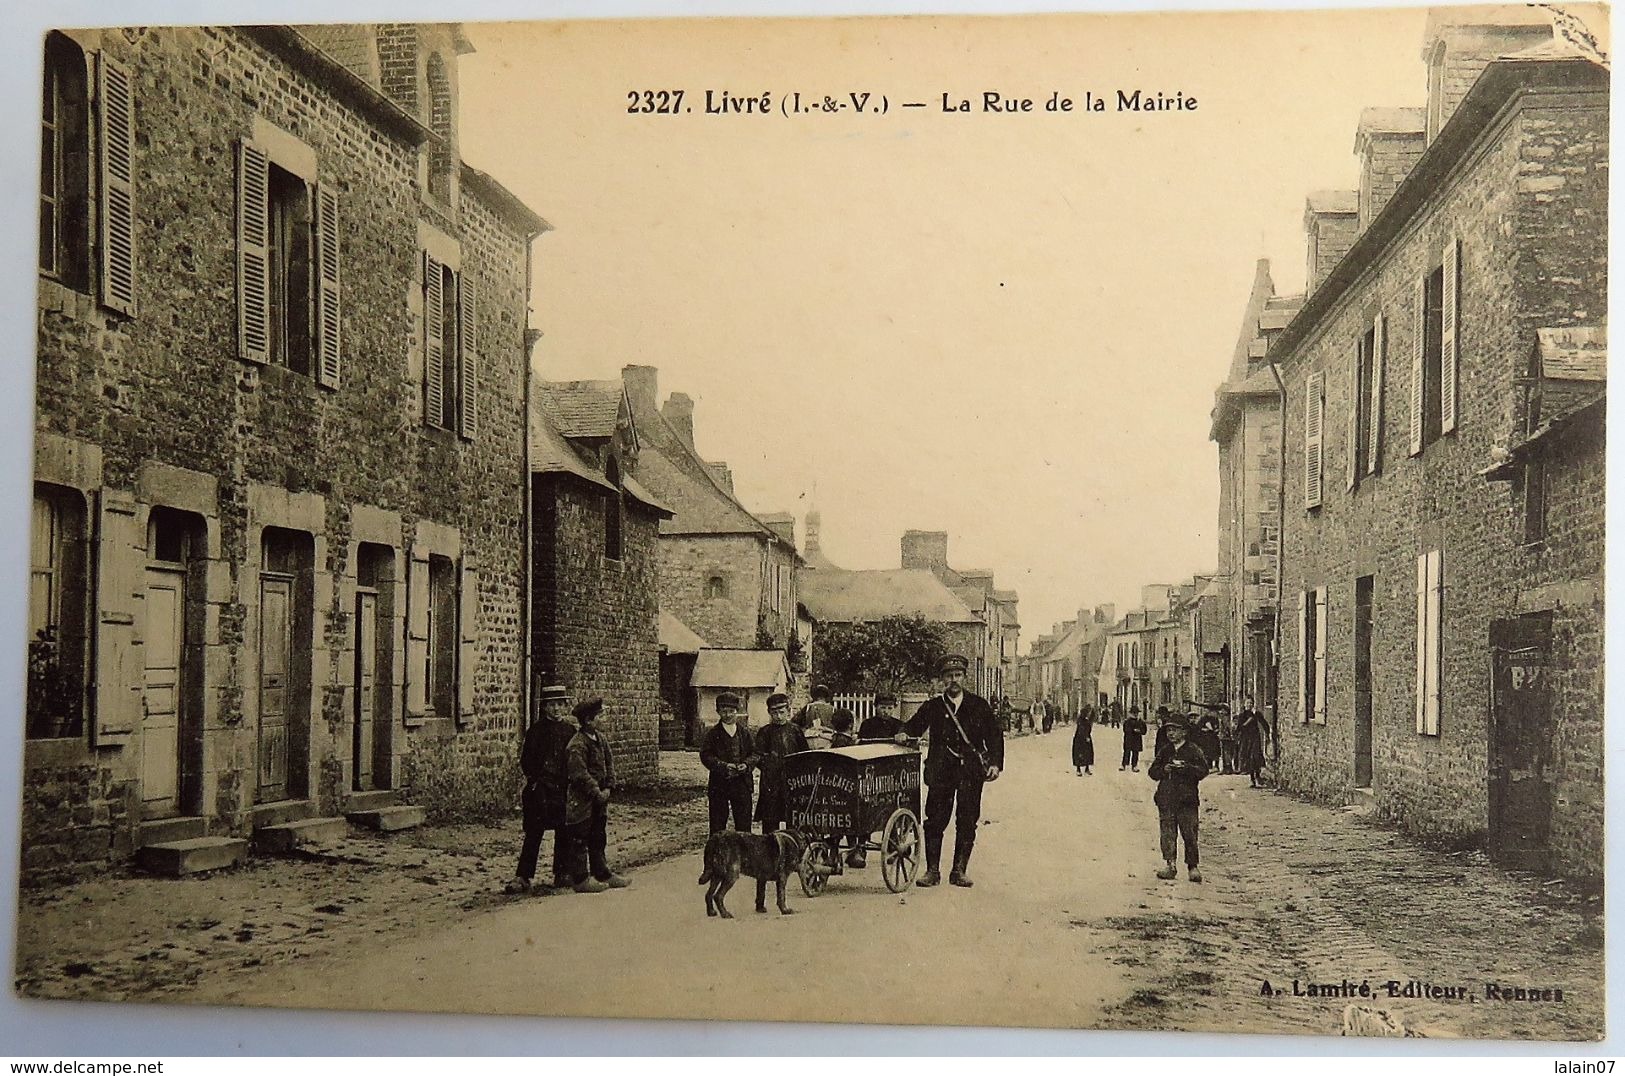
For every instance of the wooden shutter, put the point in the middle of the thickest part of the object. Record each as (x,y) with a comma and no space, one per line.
(1314,437)
(120,665)
(1379,355)
(1320,655)
(434,361)
(1435,640)
(253,253)
(327,301)
(468,651)
(1352,443)
(116,145)
(468,361)
(417,635)
(1447,357)
(1418,364)
(1421,642)
(1305,622)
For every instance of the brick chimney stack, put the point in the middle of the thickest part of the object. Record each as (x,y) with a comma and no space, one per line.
(678,410)
(642,387)
(1332,220)
(1389,142)
(723,474)
(926,549)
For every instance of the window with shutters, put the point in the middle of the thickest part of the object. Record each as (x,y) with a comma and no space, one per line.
(1365,405)
(1429,640)
(1312,655)
(440,655)
(64,195)
(1314,439)
(289,269)
(57,615)
(1434,362)
(450,360)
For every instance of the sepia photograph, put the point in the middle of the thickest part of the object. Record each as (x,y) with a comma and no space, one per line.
(1083,520)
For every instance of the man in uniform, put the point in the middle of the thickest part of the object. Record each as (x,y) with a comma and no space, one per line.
(883,723)
(541,759)
(591,772)
(773,743)
(967,750)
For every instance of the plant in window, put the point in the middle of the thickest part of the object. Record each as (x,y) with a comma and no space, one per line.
(53,691)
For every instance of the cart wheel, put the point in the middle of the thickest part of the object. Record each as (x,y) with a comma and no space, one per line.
(900,850)
(817,864)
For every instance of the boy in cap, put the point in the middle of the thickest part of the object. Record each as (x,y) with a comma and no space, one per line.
(883,723)
(591,772)
(542,760)
(779,739)
(1178,767)
(728,752)
(967,750)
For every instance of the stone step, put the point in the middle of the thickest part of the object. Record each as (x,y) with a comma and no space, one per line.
(165,830)
(286,836)
(388,819)
(371,800)
(280,812)
(177,858)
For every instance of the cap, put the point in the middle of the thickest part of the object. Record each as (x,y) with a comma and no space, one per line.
(591,708)
(885,698)
(952,663)
(727,700)
(778,698)
(555,693)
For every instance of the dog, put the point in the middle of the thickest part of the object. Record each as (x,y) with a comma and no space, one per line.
(729,853)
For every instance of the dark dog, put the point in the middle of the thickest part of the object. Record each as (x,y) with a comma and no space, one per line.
(729,854)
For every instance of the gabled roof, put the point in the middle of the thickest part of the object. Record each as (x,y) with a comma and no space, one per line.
(551,452)
(585,409)
(677,637)
(1389,121)
(720,667)
(1575,353)
(840,597)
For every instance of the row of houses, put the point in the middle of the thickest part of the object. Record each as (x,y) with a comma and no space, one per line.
(1411,458)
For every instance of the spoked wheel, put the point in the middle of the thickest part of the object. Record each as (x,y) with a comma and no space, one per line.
(900,850)
(817,864)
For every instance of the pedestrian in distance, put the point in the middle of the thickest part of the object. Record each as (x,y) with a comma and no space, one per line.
(542,761)
(1204,733)
(1162,731)
(778,739)
(591,771)
(967,751)
(883,723)
(1049,717)
(1251,728)
(1133,740)
(1083,743)
(1227,742)
(728,752)
(1178,768)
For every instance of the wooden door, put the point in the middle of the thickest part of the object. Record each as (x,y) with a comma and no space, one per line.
(276,661)
(1521,776)
(1363,588)
(161,693)
(366,737)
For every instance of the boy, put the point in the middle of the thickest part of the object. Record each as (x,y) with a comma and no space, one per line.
(1177,769)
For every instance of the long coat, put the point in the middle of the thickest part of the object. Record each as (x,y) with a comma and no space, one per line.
(542,760)
(773,743)
(1133,733)
(1250,726)
(948,748)
(591,771)
(1083,742)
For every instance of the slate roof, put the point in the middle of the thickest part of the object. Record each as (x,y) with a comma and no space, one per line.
(847,597)
(584,409)
(551,452)
(719,667)
(677,637)
(1406,121)
(1577,353)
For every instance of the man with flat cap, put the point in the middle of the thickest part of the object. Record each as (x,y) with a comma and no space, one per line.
(1178,769)
(779,739)
(542,761)
(591,770)
(967,750)
(883,723)
(728,752)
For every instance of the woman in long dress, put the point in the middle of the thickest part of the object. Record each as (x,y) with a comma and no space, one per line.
(1250,730)
(1083,742)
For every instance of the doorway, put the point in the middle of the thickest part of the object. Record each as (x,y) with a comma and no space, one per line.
(284,666)
(1522,782)
(1363,588)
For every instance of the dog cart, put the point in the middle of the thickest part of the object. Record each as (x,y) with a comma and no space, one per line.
(869,794)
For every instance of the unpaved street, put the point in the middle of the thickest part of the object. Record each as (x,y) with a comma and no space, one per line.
(1067,927)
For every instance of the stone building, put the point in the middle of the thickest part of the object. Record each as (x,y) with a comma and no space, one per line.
(834,596)
(280,483)
(1247,429)
(596,563)
(928,551)
(1439,655)
(1068,659)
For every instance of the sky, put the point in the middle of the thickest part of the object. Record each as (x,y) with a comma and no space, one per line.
(1006,326)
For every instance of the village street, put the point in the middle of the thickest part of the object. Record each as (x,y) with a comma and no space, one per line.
(1066,927)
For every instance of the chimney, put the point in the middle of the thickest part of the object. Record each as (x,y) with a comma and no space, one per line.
(1389,142)
(1106,613)
(1332,220)
(1459,43)
(813,523)
(782,524)
(678,410)
(723,475)
(925,549)
(642,388)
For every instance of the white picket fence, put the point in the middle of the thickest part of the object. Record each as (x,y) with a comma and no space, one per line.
(862,707)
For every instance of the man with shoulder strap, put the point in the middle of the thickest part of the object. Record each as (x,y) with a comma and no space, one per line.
(967,750)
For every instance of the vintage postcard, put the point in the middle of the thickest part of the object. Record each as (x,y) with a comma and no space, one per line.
(1081,521)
